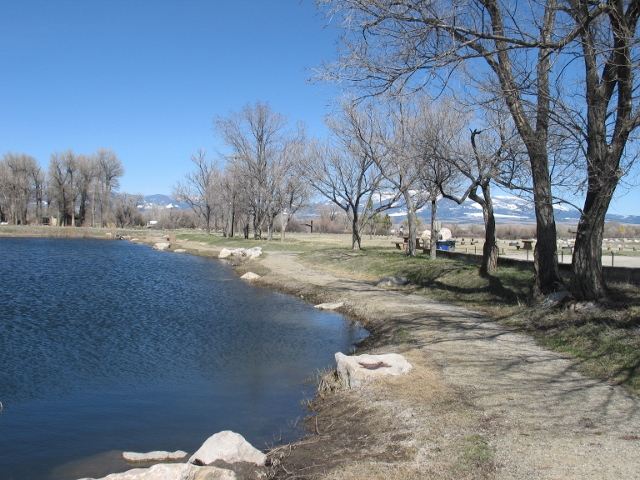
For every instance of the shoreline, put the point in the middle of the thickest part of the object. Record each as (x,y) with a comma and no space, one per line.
(481,402)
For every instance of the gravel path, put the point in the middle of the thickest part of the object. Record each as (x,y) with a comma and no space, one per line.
(547,420)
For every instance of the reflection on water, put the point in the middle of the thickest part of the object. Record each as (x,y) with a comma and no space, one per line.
(109,346)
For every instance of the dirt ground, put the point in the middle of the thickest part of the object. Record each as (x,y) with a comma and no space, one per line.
(481,402)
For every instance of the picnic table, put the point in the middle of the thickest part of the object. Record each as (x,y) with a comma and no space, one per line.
(401,242)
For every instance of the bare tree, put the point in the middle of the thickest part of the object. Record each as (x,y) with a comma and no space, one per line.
(292,190)
(412,44)
(85,177)
(198,189)
(259,139)
(346,174)
(109,172)
(397,159)
(21,177)
(60,185)
(126,212)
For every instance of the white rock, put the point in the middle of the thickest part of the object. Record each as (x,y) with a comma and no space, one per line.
(135,239)
(230,447)
(250,276)
(250,253)
(175,471)
(157,456)
(161,245)
(554,299)
(359,369)
(254,252)
(329,306)
(179,250)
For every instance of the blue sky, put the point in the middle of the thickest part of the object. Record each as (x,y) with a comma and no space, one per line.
(146,78)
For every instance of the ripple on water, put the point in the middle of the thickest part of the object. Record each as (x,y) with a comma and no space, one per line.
(113,346)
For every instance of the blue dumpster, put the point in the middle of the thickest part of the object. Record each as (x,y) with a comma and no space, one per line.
(446,245)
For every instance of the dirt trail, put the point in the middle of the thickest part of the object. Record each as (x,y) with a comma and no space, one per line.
(482,401)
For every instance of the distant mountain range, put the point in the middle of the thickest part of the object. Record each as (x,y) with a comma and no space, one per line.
(161,201)
(507,209)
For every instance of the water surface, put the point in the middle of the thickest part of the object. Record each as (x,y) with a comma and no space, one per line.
(108,346)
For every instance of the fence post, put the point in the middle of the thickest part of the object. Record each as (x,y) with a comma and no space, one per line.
(612,258)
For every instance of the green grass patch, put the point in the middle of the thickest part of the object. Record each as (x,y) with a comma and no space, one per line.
(477,456)
(498,294)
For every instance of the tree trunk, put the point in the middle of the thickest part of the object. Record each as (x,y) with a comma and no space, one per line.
(284,222)
(207,219)
(356,241)
(548,278)
(587,281)
(490,247)
(411,218)
(434,235)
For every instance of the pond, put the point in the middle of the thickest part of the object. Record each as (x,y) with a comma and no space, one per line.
(108,346)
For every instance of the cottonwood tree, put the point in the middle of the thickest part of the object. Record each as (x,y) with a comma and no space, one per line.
(20,183)
(229,195)
(345,172)
(87,169)
(481,165)
(491,155)
(526,53)
(259,139)
(110,170)
(398,161)
(435,138)
(199,188)
(60,185)
(126,212)
(292,190)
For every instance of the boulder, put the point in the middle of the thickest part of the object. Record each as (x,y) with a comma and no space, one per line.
(247,253)
(254,252)
(357,370)
(236,252)
(392,282)
(329,306)
(157,456)
(174,471)
(554,299)
(250,276)
(230,447)
(161,245)
(179,250)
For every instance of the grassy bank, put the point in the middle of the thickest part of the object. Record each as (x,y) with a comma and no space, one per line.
(604,339)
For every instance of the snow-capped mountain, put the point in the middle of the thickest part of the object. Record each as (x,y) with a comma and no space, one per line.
(507,209)
(161,201)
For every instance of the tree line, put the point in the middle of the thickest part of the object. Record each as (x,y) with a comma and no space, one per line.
(75,190)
